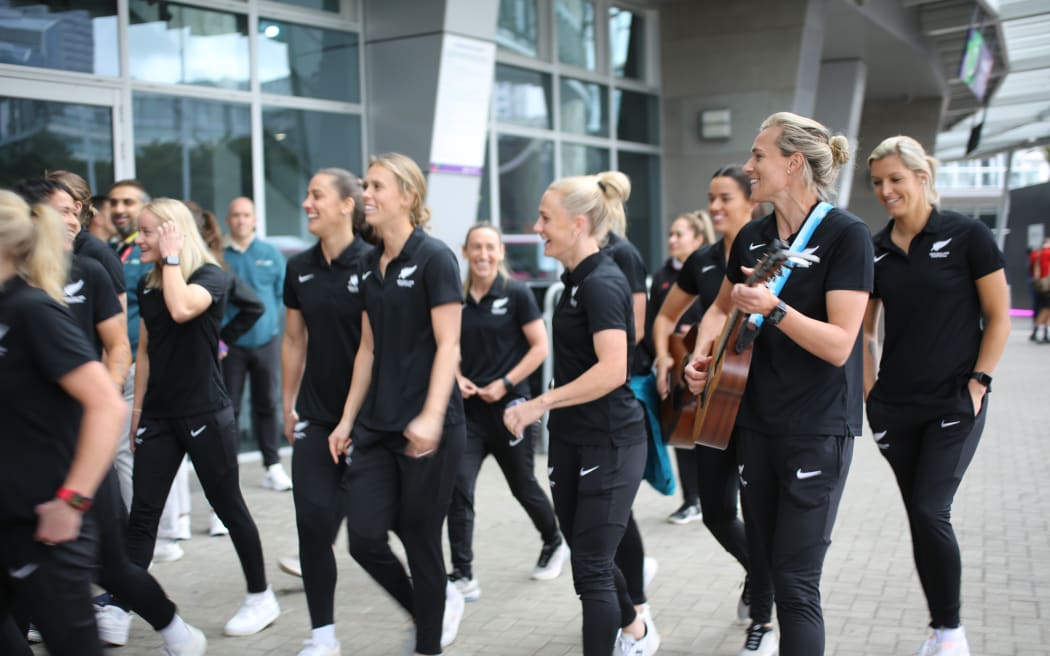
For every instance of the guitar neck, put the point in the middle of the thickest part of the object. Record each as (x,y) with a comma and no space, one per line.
(723,340)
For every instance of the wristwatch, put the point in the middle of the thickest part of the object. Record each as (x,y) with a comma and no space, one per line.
(75,499)
(506,383)
(983,379)
(171,260)
(777,314)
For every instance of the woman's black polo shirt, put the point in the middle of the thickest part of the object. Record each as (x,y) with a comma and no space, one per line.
(88,245)
(90,297)
(933,313)
(424,275)
(703,273)
(630,262)
(491,338)
(184,374)
(329,298)
(790,391)
(39,344)
(596,298)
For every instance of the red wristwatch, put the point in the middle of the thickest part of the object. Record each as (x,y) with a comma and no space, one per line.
(75,499)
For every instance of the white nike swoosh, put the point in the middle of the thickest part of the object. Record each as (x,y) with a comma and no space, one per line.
(801,475)
(948,424)
(878,436)
(707,268)
(584,472)
(306,278)
(141,430)
(881,256)
(195,433)
(754,246)
(23,572)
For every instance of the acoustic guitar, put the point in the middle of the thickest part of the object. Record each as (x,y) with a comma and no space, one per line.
(717,405)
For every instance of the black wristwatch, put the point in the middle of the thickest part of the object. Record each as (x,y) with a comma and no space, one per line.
(171,260)
(506,383)
(983,379)
(777,314)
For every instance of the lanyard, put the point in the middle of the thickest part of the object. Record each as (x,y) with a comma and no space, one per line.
(776,284)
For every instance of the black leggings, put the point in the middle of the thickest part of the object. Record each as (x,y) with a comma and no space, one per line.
(260,366)
(319,511)
(211,442)
(792,486)
(929,457)
(486,435)
(387,490)
(593,489)
(687,475)
(132,586)
(52,584)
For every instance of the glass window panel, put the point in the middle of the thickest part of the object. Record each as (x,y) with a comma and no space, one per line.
(522,97)
(584,107)
(193,149)
(637,118)
(296,143)
(576,33)
(517,27)
(177,44)
(583,160)
(627,43)
(52,35)
(295,60)
(526,260)
(322,5)
(643,207)
(526,167)
(36,135)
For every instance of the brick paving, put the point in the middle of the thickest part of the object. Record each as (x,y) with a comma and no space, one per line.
(873,603)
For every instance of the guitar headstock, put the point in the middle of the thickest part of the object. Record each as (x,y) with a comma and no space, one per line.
(771,263)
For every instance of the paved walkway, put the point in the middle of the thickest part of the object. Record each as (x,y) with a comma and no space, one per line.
(873,603)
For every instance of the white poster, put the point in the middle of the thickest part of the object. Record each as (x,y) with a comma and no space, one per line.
(462,109)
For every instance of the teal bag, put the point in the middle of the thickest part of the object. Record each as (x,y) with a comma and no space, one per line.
(658,471)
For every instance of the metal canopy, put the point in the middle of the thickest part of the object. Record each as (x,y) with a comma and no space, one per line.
(1017,113)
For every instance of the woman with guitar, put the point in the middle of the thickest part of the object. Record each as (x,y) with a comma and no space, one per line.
(927,420)
(730,205)
(689,232)
(597,430)
(802,402)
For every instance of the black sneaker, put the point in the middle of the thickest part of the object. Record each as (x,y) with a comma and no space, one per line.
(551,560)
(761,640)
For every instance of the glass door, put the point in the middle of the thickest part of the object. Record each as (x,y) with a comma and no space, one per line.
(55,125)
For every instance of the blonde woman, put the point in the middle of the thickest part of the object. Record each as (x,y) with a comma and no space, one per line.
(62,416)
(597,429)
(403,406)
(802,404)
(946,268)
(181,405)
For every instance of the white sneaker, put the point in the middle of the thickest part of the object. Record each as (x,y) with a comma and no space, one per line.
(275,479)
(167,551)
(33,636)
(628,645)
(650,566)
(551,561)
(453,615)
(254,615)
(946,642)
(468,586)
(761,640)
(197,645)
(311,648)
(113,624)
(291,565)
(215,526)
